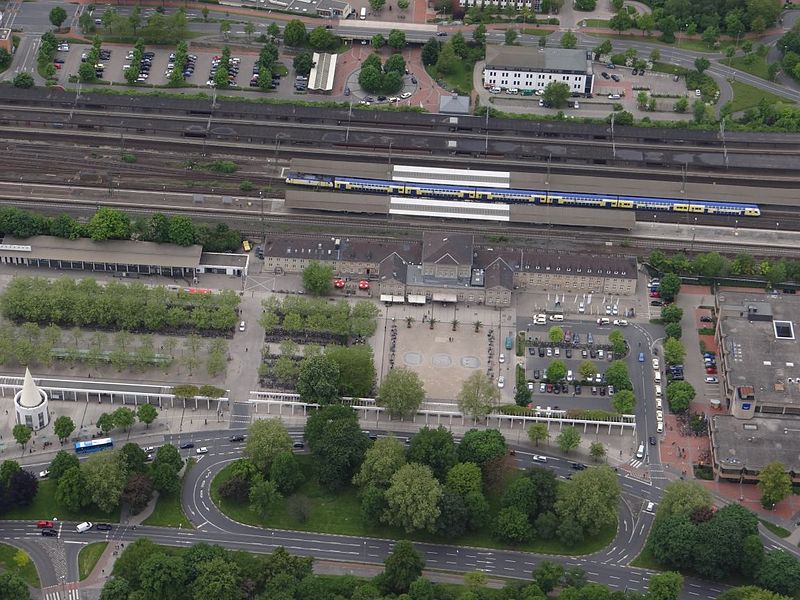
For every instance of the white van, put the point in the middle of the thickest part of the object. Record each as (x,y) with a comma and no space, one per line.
(83,527)
(495,90)
(658,391)
(363,14)
(660,427)
(657,376)
(514,91)
(640,452)
(614,96)
(557,318)
(569,375)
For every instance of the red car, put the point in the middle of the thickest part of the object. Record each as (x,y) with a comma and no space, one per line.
(655,295)
(711,371)
(338,283)
(363,284)
(549,388)
(44,524)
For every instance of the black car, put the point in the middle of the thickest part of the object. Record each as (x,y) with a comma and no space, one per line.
(103,526)
(536,374)
(635,72)
(564,387)
(381,98)
(298,445)
(568,352)
(531,350)
(577,389)
(236,438)
(577,466)
(186,445)
(605,75)
(541,351)
(414,80)
(652,440)
(706,320)
(656,303)
(49,533)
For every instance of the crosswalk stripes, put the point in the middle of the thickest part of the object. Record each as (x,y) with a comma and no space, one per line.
(636,463)
(58,593)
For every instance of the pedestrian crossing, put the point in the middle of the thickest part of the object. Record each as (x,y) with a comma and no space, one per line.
(62,592)
(636,463)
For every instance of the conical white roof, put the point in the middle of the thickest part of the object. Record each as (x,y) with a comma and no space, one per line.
(30,396)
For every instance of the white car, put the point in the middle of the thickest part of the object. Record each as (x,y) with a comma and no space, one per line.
(603,321)
(659,416)
(608,310)
(44,474)
(712,380)
(650,507)
(405,95)
(542,388)
(655,364)
(538,458)
(615,310)
(83,527)
(581,308)
(620,322)
(502,358)
(501,382)
(242,326)
(202,450)
(611,390)
(530,386)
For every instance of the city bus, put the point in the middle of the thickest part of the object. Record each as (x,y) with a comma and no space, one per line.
(90,446)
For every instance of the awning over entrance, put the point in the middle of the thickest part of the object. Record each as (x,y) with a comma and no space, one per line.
(416,299)
(386,298)
(398,299)
(441,297)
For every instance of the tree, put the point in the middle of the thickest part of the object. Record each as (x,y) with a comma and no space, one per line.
(217,578)
(673,351)
(679,396)
(133,457)
(294,33)
(396,40)
(682,498)
(620,22)
(161,575)
(356,369)
(137,492)
(430,52)
(22,434)
(477,396)
(672,313)
(336,440)
(511,37)
(63,427)
(61,463)
(263,496)
(71,489)
(597,450)
(321,39)
(109,223)
(147,413)
(57,16)
(617,342)
(548,575)
(105,479)
(481,446)
(624,402)
(402,567)
(590,499)
(604,48)
(401,392)
(587,370)
(7,469)
(115,588)
(22,488)
(555,334)
(512,526)
(681,105)
(521,494)
(376,5)
(23,80)
(775,484)
(538,432)
(266,438)
(465,478)
(286,473)
(382,460)
(413,499)
(479,34)
(447,61)
(617,375)
(435,448)
(317,278)
(395,62)
(780,572)
(670,286)
(378,41)
(318,381)
(168,455)
(569,40)
(556,371)
(568,439)
(273,30)
(13,587)
(666,586)
(124,418)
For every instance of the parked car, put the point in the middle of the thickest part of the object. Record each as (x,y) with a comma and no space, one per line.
(103,526)
(44,524)
(186,445)
(712,380)
(236,438)
(501,381)
(202,450)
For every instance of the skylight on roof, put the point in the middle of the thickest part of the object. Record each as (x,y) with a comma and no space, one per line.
(784,330)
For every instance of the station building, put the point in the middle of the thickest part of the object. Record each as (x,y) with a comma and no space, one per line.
(759,371)
(525,68)
(451,268)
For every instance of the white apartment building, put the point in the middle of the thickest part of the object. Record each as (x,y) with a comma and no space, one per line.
(534,5)
(527,68)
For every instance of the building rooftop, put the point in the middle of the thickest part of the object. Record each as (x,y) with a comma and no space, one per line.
(753,444)
(323,72)
(393,267)
(454,104)
(760,345)
(525,58)
(223,259)
(120,252)
(332,4)
(347,249)
(453,248)
(499,274)
(532,261)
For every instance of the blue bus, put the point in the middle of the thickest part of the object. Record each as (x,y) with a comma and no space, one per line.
(93,446)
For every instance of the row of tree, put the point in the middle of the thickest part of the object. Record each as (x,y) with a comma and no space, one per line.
(386,78)
(688,534)
(134,307)
(789,46)
(112,224)
(297,315)
(158,29)
(713,264)
(18,487)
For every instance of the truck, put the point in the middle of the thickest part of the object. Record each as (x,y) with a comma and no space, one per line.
(509,342)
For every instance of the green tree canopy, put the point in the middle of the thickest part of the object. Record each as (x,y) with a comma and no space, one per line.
(674,351)
(381,461)
(624,402)
(680,395)
(568,439)
(294,33)
(669,287)
(401,393)
(318,278)
(481,446)
(556,371)
(402,567)
(63,427)
(478,395)
(336,440)
(556,94)
(590,499)
(266,438)
(319,380)
(435,448)
(413,499)
(775,484)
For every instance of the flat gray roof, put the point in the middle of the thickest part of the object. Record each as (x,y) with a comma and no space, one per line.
(525,58)
(754,355)
(120,252)
(755,443)
(223,259)
(323,72)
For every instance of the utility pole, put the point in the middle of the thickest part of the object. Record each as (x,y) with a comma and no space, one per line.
(613,141)
(685,170)
(724,145)
(486,127)
(349,117)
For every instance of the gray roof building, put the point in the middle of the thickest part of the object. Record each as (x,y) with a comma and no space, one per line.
(544,60)
(452,248)
(521,260)
(498,274)
(393,267)
(454,105)
(340,249)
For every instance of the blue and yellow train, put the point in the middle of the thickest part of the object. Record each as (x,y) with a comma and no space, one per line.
(516,196)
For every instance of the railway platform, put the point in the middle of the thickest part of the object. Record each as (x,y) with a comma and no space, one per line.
(694,236)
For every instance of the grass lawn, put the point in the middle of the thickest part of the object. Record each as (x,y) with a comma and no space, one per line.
(460,80)
(28,572)
(341,514)
(696,45)
(536,31)
(660,67)
(601,23)
(776,529)
(757,67)
(746,96)
(646,561)
(45,507)
(88,557)
(168,511)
